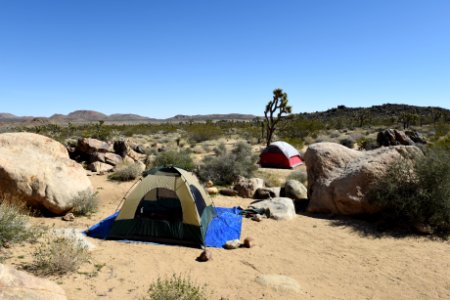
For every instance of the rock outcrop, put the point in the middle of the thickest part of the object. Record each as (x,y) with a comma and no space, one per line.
(392,137)
(280,208)
(16,284)
(38,171)
(339,177)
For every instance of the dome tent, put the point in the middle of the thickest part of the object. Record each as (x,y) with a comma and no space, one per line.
(280,155)
(168,206)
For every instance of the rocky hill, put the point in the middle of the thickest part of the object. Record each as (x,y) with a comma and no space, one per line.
(379,111)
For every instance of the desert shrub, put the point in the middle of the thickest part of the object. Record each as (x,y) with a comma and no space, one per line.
(200,132)
(347,142)
(127,173)
(365,143)
(180,159)
(416,192)
(295,142)
(299,176)
(175,288)
(225,166)
(58,255)
(85,203)
(14,225)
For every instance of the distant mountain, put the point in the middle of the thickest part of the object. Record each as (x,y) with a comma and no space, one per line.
(212,117)
(86,116)
(129,117)
(7,116)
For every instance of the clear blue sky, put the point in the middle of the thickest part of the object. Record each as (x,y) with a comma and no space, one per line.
(161,58)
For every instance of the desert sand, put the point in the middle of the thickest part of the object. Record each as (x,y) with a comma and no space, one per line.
(328,261)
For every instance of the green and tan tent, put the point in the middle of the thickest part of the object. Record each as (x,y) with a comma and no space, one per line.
(169,206)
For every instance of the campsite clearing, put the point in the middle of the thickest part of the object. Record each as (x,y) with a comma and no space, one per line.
(328,261)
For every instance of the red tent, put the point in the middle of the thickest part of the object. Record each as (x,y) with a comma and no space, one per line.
(280,155)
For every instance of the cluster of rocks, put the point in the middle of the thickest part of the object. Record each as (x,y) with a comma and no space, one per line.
(278,200)
(392,137)
(100,156)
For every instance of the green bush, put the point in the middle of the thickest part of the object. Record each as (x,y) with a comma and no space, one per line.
(224,167)
(175,288)
(85,204)
(180,159)
(200,132)
(416,193)
(127,173)
(14,225)
(58,255)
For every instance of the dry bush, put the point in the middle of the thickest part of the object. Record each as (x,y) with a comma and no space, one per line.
(85,203)
(180,159)
(225,166)
(416,193)
(58,255)
(127,173)
(176,287)
(299,176)
(14,225)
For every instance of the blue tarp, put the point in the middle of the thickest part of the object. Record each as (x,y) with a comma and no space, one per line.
(225,226)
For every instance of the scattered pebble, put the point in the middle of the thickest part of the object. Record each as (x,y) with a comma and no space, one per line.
(69,217)
(205,256)
(233,244)
(249,242)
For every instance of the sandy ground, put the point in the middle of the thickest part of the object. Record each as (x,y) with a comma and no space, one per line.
(328,261)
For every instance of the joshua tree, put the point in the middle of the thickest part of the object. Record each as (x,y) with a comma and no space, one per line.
(274,110)
(407,119)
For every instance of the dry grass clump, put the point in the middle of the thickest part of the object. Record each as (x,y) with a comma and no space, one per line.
(299,176)
(58,255)
(270,179)
(14,225)
(176,287)
(85,203)
(127,173)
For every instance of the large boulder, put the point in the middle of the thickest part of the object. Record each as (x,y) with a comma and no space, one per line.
(90,146)
(99,167)
(16,284)
(295,190)
(339,177)
(112,158)
(246,188)
(280,208)
(38,171)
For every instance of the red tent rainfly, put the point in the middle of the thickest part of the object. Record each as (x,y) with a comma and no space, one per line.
(280,155)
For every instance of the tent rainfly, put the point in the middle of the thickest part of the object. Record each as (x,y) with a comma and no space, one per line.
(280,155)
(168,206)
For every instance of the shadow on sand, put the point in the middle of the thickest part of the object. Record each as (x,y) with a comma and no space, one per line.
(364,225)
